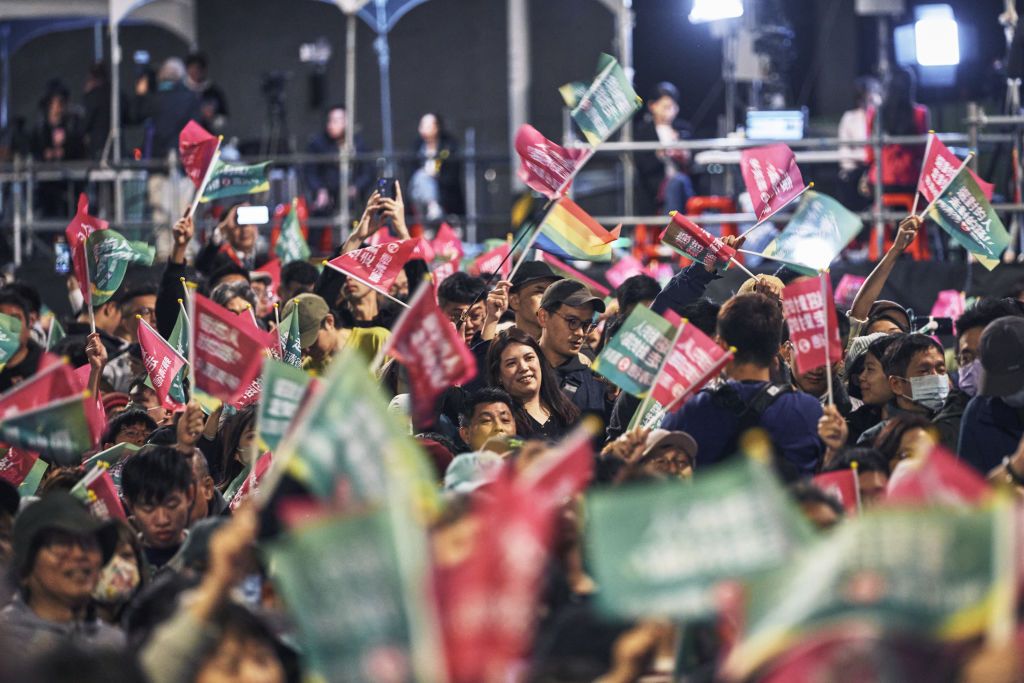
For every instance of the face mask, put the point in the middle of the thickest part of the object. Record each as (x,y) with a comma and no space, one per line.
(1015,400)
(118,581)
(969,378)
(929,391)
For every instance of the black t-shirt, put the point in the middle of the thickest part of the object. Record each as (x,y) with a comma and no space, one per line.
(12,374)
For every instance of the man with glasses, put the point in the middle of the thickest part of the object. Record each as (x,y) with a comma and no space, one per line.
(568,312)
(135,304)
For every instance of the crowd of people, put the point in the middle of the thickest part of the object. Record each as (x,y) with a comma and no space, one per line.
(179,590)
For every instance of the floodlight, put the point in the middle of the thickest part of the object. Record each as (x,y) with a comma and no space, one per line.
(936,36)
(714,10)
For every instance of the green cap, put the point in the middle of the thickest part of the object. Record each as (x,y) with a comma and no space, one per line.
(312,311)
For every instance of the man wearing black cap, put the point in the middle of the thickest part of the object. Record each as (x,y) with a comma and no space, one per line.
(993,423)
(568,312)
(59,550)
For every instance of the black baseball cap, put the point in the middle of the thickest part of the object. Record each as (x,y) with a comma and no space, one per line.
(531,271)
(1002,357)
(571,293)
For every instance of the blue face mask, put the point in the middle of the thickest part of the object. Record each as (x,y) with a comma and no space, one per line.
(969,378)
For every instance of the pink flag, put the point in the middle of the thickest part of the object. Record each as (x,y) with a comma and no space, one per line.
(543,165)
(939,167)
(846,290)
(563,471)
(55,382)
(447,245)
(382,236)
(432,351)
(623,269)
(843,486)
(196,148)
(938,478)
(444,269)
(565,270)
(489,262)
(104,503)
(15,465)
(771,176)
(273,269)
(811,317)
(949,304)
(376,266)
(80,227)
(694,242)
(161,361)
(692,362)
(227,354)
(251,484)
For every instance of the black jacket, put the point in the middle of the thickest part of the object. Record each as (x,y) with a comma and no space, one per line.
(650,170)
(584,388)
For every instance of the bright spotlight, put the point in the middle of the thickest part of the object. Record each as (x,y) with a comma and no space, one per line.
(714,10)
(936,36)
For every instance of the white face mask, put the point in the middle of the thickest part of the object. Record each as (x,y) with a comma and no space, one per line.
(929,391)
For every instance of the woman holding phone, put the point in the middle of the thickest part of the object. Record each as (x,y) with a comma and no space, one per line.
(516,364)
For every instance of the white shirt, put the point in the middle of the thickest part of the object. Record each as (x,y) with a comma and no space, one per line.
(852,126)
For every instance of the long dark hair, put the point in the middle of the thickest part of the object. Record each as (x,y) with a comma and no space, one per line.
(898,103)
(233,429)
(551,395)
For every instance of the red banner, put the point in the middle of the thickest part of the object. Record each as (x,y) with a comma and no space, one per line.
(227,353)
(195,149)
(543,165)
(938,478)
(771,176)
(15,465)
(55,382)
(694,242)
(376,266)
(811,315)
(691,363)
(432,351)
(252,483)
(80,227)
(489,262)
(939,167)
(841,485)
(161,361)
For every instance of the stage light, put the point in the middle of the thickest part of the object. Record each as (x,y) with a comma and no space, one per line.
(936,36)
(714,10)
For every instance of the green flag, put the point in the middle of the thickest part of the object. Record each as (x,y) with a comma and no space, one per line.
(112,455)
(230,180)
(59,429)
(31,482)
(179,341)
(608,102)
(341,582)
(109,255)
(632,357)
(963,211)
(283,388)
(937,572)
(291,339)
(10,337)
(660,549)
(291,245)
(572,93)
(55,334)
(819,230)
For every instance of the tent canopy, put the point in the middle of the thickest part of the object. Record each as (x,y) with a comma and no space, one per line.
(25,20)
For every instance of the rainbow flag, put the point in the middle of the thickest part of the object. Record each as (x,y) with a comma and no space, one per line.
(569,232)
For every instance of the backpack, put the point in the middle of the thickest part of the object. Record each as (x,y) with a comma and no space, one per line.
(749,414)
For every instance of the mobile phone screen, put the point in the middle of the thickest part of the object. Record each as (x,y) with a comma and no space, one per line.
(252,215)
(62,260)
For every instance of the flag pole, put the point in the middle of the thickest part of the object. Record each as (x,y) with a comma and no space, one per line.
(277,316)
(206,178)
(854,465)
(917,190)
(823,278)
(792,199)
(190,314)
(945,187)
(88,285)
(359,279)
(739,265)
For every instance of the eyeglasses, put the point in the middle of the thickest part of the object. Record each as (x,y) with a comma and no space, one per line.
(144,311)
(575,323)
(62,543)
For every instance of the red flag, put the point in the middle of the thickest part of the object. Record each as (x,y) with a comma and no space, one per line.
(80,227)
(694,242)
(432,351)
(623,269)
(161,361)
(443,270)
(447,245)
(55,382)
(691,363)
(842,485)
(563,471)
(227,354)
(810,314)
(488,262)
(771,176)
(939,167)
(382,236)
(15,465)
(273,269)
(196,148)
(376,266)
(252,483)
(543,165)
(103,501)
(936,478)
(565,270)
